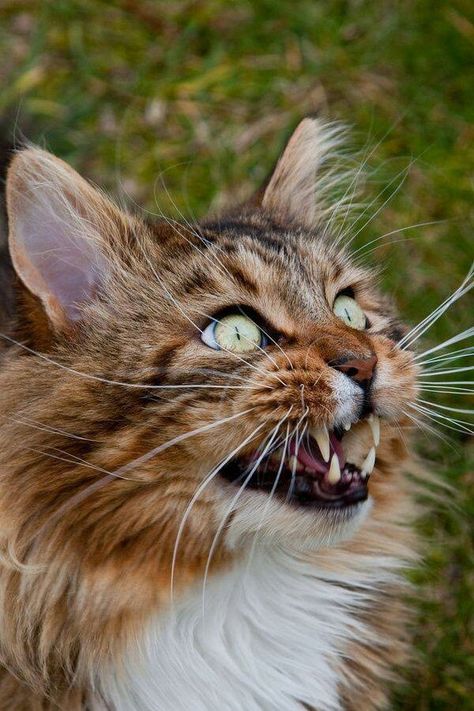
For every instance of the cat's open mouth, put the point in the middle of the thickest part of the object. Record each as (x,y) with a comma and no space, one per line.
(323,469)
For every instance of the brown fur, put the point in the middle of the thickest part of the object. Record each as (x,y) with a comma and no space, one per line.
(86,557)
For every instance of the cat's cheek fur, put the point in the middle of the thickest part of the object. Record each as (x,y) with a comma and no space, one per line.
(395,381)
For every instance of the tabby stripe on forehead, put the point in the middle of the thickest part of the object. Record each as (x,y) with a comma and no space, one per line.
(198,281)
(271,236)
(241,278)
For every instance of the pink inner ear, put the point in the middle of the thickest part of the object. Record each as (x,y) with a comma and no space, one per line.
(55,260)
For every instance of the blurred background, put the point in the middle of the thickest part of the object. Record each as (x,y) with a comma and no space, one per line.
(182,106)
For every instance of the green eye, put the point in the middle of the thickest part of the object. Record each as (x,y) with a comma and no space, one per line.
(348,310)
(234,332)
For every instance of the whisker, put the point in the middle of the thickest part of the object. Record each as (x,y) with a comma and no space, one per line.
(118,474)
(457,390)
(298,440)
(432,373)
(176,440)
(404,173)
(426,428)
(444,382)
(139,386)
(444,407)
(197,494)
(234,501)
(468,333)
(417,331)
(73,459)
(353,184)
(457,425)
(394,232)
(270,496)
(443,358)
(27,422)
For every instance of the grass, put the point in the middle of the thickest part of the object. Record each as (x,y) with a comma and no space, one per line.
(200,96)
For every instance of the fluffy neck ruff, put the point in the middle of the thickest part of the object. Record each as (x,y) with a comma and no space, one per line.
(277,631)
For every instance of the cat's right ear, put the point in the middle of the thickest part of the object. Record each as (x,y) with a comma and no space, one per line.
(293,192)
(59,229)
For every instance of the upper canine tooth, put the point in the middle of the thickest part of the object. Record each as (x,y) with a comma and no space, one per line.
(374,424)
(334,473)
(369,462)
(348,426)
(321,436)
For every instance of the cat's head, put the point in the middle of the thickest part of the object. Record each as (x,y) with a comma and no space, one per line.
(181,389)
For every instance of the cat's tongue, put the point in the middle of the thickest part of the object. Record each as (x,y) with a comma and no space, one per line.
(309,454)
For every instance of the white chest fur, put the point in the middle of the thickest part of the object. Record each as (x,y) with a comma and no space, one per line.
(268,639)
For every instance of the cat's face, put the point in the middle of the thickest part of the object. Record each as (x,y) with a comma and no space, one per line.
(295,350)
(235,379)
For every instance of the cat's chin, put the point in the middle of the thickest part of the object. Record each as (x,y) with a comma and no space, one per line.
(276,523)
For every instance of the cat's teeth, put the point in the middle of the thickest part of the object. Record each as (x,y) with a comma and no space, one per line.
(374,424)
(321,436)
(334,473)
(294,464)
(369,462)
(347,426)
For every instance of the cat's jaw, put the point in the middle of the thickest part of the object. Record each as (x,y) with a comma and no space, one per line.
(313,491)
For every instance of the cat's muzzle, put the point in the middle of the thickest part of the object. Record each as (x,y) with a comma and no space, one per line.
(321,469)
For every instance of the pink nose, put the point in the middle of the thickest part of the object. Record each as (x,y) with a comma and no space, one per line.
(359,369)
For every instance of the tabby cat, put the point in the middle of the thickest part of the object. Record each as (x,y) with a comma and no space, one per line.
(203,443)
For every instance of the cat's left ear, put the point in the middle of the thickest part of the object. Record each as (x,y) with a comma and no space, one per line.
(291,195)
(61,230)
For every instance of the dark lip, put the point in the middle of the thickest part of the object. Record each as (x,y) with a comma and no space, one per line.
(303,489)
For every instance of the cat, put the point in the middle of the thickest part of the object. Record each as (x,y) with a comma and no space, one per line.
(204,437)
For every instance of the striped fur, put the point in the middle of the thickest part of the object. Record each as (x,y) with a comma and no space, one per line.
(90,518)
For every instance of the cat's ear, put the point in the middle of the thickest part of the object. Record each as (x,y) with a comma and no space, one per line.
(292,192)
(59,229)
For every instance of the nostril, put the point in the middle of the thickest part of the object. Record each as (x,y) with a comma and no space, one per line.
(351,372)
(359,369)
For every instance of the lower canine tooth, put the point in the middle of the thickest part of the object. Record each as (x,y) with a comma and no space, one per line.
(374,424)
(294,464)
(334,473)
(369,462)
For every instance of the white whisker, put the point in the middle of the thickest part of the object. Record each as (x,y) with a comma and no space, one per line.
(197,494)
(431,373)
(270,495)
(441,359)
(417,331)
(180,438)
(231,506)
(444,407)
(27,422)
(455,424)
(139,386)
(394,232)
(425,427)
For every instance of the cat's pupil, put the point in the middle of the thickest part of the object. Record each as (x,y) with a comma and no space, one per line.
(347,314)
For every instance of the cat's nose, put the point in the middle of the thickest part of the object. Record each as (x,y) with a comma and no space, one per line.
(361,370)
